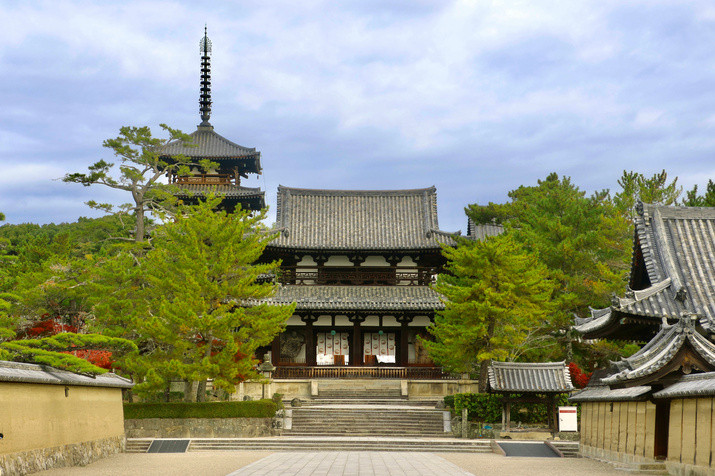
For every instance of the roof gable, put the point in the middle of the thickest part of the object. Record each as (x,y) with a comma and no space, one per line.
(358,219)
(674,257)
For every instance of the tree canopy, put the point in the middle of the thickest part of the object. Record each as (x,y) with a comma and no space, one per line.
(140,173)
(497,296)
(584,241)
(190,301)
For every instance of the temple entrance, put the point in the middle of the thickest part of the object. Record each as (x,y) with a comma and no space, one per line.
(379,348)
(662,421)
(332,348)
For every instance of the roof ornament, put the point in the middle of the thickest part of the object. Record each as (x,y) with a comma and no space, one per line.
(205,96)
(681,295)
(639,208)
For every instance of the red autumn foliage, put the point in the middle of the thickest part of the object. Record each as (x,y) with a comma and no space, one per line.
(48,327)
(100,358)
(579,377)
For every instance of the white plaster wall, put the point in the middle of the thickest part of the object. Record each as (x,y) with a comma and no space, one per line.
(376,261)
(420,321)
(407,261)
(338,260)
(324,321)
(342,321)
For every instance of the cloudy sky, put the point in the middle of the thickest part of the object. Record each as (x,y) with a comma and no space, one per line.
(474,97)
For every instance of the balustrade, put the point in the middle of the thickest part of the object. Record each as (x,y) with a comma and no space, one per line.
(365,275)
(414,373)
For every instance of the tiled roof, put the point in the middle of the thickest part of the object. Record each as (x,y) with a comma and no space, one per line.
(225,190)
(357,298)
(660,356)
(546,377)
(358,219)
(479,232)
(695,385)
(602,393)
(207,144)
(678,249)
(32,373)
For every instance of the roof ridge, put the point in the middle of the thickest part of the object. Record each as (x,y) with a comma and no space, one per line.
(320,191)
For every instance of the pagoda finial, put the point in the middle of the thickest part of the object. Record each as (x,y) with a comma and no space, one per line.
(205,96)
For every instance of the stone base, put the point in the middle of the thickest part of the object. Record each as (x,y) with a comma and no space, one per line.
(681,469)
(612,456)
(78,454)
(200,428)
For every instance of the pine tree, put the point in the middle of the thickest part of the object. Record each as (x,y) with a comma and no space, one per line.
(190,302)
(497,297)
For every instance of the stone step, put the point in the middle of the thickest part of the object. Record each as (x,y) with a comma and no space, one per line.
(137,445)
(316,401)
(643,468)
(322,444)
(569,449)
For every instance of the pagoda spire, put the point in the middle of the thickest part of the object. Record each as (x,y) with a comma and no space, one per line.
(205,96)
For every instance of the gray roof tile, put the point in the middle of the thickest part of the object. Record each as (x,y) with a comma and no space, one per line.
(207,144)
(32,373)
(602,393)
(225,190)
(544,377)
(696,385)
(657,354)
(678,246)
(358,219)
(377,298)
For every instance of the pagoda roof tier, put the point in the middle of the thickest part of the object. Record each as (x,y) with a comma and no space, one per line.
(357,298)
(354,220)
(231,193)
(673,272)
(523,377)
(676,346)
(207,144)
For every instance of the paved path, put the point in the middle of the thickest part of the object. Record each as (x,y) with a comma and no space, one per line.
(352,463)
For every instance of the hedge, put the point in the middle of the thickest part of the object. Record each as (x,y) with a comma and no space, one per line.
(487,407)
(248,409)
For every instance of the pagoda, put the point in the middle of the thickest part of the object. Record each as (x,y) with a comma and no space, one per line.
(234,161)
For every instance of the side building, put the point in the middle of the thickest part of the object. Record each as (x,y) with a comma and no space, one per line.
(657,405)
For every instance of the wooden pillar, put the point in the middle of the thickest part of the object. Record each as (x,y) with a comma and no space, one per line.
(276,350)
(356,347)
(310,355)
(507,408)
(404,350)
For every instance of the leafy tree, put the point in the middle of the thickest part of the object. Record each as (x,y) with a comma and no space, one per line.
(583,241)
(636,186)
(186,300)
(496,294)
(60,351)
(706,200)
(140,172)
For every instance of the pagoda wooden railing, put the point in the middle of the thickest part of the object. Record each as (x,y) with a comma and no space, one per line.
(412,373)
(356,276)
(204,179)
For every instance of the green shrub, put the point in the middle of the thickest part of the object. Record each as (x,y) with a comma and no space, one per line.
(487,407)
(449,401)
(253,409)
(278,400)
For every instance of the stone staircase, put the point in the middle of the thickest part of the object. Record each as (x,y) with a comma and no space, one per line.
(138,445)
(367,421)
(341,444)
(365,408)
(568,449)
